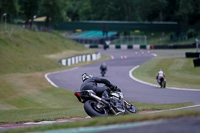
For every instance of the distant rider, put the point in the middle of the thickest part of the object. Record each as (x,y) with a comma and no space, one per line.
(160,76)
(90,83)
(103,67)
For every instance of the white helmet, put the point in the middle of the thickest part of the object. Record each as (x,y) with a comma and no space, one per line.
(86,76)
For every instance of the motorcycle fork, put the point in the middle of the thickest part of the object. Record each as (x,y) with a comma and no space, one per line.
(125,101)
(114,112)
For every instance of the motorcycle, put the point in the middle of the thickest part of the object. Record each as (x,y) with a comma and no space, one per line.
(162,82)
(96,106)
(103,72)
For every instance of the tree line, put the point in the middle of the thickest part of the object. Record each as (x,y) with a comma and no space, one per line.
(182,11)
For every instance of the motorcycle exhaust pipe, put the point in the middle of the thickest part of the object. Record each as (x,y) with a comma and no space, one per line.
(99,99)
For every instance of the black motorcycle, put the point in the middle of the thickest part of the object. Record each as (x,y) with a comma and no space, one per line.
(103,72)
(96,106)
(162,82)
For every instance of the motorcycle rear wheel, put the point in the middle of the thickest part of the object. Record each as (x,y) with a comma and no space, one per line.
(92,110)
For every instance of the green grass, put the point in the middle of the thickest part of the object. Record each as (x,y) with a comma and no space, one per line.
(179,71)
(46,104)
(24,51)
(108,121)
(29,97)
(160,38)
(25,57)
(164,38)
(25,95)
(154,107)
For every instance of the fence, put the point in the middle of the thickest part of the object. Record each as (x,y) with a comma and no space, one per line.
(81,58)
(129,40)
(117,40)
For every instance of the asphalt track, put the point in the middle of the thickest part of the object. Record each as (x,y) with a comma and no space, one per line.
(118,73)
(181,125)
(119,67)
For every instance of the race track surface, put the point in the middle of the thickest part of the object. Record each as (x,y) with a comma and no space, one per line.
(118,73)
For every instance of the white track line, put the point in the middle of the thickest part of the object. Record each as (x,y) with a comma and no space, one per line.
(154,55)
(47,78)
(140,81)
(174,109)
(51,82)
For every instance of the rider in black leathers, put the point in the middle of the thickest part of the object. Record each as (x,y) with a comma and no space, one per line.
(103,68)
(90,83)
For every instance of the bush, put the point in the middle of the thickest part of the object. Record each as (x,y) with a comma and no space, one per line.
(191,33)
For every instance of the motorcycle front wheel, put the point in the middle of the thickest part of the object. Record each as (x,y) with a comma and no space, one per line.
(130,108)
(102,73)
(92,110)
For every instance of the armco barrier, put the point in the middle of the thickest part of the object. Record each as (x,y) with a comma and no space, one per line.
(192,54)
(196,62)
(175,46)
(138,46)
(81,58)
(123,46)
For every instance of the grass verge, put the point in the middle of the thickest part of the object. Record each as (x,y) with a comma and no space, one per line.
(109,120)
(24,51)
(25,95)
(179,71)
(26,56)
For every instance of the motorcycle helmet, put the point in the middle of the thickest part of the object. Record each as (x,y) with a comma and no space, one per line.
(160,71)
(86,76)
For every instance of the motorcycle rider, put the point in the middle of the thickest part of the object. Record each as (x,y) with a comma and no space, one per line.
(160,76)
(110,104)
(90,83)
(103,68)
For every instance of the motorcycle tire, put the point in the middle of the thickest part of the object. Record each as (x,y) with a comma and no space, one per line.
(102,74)
(91,109)
(130,108)
(161,84)
(164,85)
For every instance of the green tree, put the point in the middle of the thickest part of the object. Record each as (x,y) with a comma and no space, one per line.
(142,10)
(29,9)
(159,9)
(171,10)
(185,10)
(10,7)
(73,9)
(194,17)
(124,10)
(111,10)
(85,10)
(54,10)
(149,10)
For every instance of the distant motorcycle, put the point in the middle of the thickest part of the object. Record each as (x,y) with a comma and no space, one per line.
(103,69)
(103,72)
(162,82)
(96,106)
(105,46)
